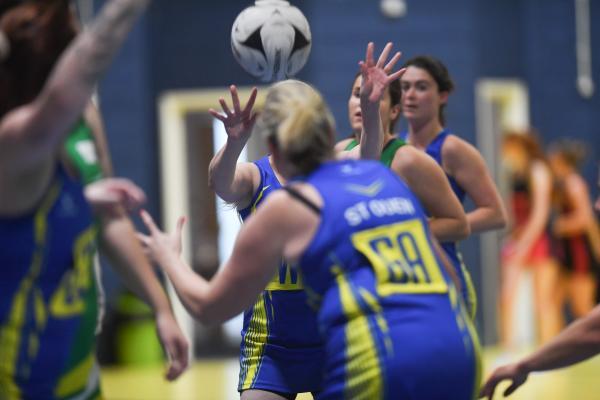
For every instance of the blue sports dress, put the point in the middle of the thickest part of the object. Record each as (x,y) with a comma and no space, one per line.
(434,149)
(48,306)
(281,348)
(387,309)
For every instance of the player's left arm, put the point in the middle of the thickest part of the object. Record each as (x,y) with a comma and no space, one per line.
(111,199)
(463,162)
(578,342)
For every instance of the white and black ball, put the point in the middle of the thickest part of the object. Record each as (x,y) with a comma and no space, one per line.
(271,40)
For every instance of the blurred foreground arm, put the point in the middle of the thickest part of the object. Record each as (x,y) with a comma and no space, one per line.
(110,198)
(33,132)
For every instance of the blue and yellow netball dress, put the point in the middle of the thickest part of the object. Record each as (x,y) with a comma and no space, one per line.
(48,308)
(434,149)
(281,349)
(389,314)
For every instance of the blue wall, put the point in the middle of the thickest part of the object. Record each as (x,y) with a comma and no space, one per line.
(557,109)
(185,43)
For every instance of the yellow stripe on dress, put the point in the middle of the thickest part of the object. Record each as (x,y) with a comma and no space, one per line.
(254,342)
(471,293)
(71,383)
(465,324)
(363,370)
(258,199)
(287,277)
(10,335)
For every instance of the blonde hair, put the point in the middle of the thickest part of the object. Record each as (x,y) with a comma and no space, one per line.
(297,121)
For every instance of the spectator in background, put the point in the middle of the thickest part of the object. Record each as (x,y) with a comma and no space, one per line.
(528,242)
(576,242)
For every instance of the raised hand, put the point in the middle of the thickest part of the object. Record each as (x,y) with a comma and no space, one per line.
(377,76)
(239,123)
(159,246)
(512,372)
(109,194)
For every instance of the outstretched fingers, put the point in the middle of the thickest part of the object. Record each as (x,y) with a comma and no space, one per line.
(225,108)
(179,231)
(390,65)
(384,55)
(217,115)
(251,101)
(235,99)
(369,59)
(144,240)
(396,75)
(149,222)
(364,68)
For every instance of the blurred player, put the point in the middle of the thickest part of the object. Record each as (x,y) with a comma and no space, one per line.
(426,86)
(528,241)
(47,297)
(576,242)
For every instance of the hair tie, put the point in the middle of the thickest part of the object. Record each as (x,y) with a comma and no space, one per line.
(4,46)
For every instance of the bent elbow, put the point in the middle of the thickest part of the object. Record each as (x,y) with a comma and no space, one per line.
(466,232)
(502,219)
(502,224)
(463,230)
(207,317)
(202,317)
(196,307)
(200,314)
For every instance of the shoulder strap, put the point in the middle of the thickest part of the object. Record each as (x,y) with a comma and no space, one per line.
(387,155)
(353,143)
(300,197)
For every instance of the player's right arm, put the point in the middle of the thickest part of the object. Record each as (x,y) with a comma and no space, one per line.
(233,182)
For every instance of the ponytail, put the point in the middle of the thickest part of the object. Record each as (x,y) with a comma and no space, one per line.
(297,122)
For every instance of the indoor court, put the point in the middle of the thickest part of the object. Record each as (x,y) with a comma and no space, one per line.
(488,237)
(217,379)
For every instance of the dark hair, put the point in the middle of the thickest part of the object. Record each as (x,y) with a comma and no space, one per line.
(37,32)
(6,4)
(395,91)
(438,72)
(572,151)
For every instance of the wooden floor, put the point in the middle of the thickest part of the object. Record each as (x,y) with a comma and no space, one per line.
(217,379)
